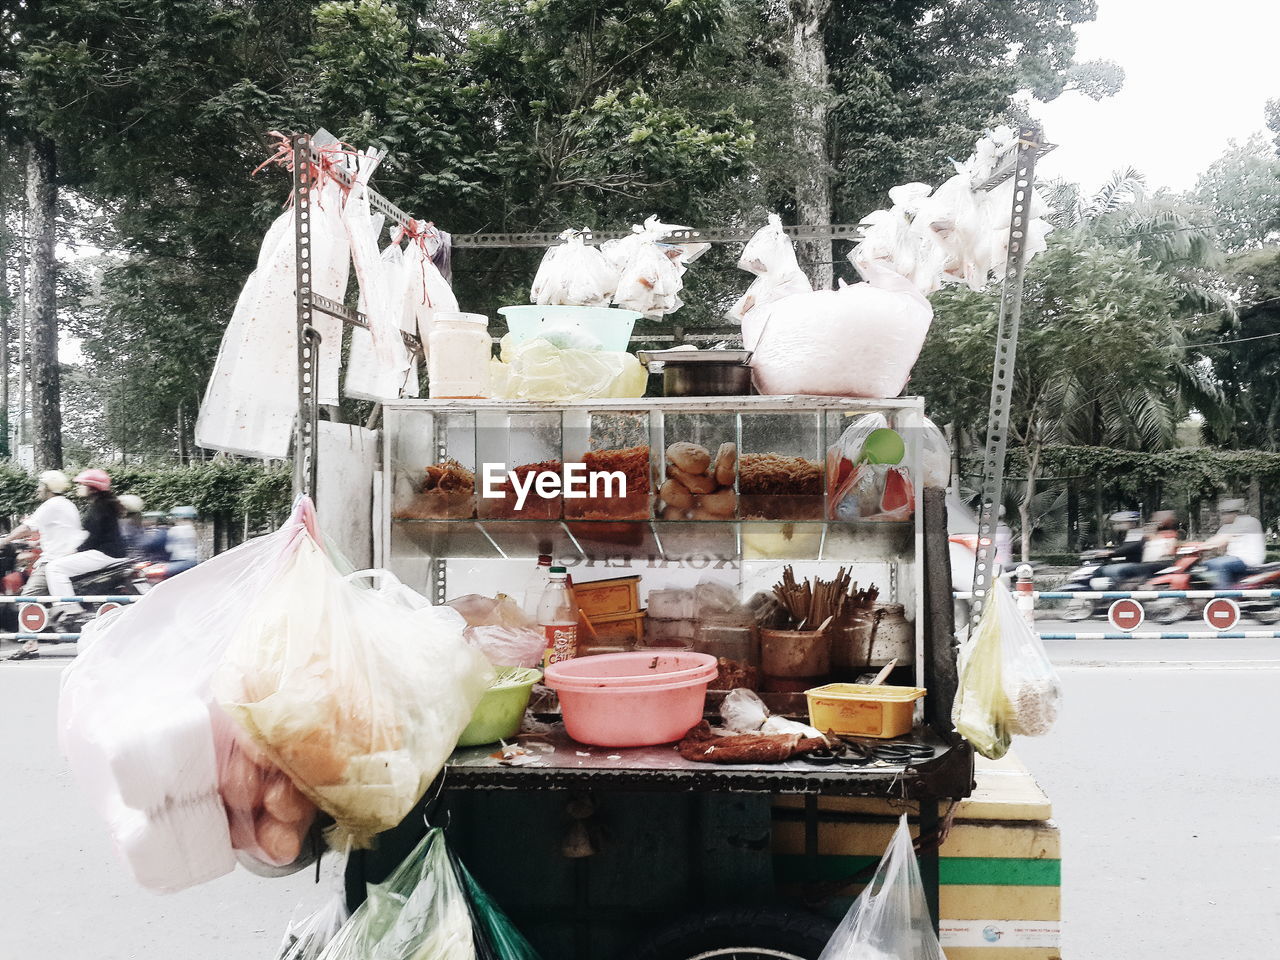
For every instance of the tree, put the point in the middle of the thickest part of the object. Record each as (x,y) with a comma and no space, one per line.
(1240,192)
(1100,340)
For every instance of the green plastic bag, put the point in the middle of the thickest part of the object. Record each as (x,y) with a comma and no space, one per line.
(419,913)
(496,936)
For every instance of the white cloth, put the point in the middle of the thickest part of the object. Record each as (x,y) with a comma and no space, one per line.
(181,543)
(1245,540)
(59,572)
(1159,548)
(58,522)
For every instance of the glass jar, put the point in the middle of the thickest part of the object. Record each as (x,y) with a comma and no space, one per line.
(458,352)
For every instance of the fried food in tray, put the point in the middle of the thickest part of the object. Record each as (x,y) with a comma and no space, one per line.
(447,492)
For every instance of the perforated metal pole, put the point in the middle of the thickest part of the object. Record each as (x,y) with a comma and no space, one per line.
(304,448)
(1002,375)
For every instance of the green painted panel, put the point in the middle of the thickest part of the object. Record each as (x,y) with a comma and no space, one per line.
(954,871)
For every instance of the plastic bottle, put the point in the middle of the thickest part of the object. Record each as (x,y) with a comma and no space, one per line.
(558,618)
(538,581)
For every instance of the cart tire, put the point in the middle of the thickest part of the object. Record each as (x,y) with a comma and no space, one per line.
(1077,609)
(1268,616)
(743,933)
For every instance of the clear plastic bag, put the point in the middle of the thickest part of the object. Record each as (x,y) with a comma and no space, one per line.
(536,370)
(419,912)
(890,919)
(862,488)
(771,256)
(137,717)
(307,937)
(496,937)
(359,695)
(1007,684)
(507,635)
(574,274)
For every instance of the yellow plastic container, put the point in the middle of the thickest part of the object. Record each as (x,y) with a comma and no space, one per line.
(861,710)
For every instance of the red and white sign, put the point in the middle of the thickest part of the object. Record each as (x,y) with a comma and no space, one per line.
(1126,615)
(1221,613)
(33,617)
(108,607)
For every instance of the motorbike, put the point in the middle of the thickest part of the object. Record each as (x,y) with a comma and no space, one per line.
(1189,573)
(1086,578)
(120,578)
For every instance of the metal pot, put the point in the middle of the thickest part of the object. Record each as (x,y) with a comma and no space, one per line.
(701,373)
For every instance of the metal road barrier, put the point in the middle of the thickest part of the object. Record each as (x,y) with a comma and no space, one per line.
(33,614)
(1126,614)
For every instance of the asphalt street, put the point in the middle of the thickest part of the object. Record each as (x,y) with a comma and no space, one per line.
(1161,771)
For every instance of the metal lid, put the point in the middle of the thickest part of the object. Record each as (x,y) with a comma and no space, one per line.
(735,357)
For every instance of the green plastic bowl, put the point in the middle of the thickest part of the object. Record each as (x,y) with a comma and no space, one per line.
(501,708)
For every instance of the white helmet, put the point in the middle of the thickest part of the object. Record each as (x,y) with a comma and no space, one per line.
(55,481)
(132,503)
(1231,505)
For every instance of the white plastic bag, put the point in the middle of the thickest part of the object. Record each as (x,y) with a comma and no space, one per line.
(890,919)
(382,307)
(506,635)
(650,272)
(858,341)
(252,397)
(136,713)
(367,378)
(359,695)
(771,256)
(935,456)
(538,370)
(574,274)
(1007,684)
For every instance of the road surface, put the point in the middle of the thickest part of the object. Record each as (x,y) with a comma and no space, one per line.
(1161,771)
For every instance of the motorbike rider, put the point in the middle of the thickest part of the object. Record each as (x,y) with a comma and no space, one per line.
(1241,539)
(132,527)
(153,544)
(1126,527)
(183,543)
(58,523)
(103,546)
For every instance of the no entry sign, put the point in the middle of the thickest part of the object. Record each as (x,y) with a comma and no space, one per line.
(1221,613)
(33,617)
(1126,614)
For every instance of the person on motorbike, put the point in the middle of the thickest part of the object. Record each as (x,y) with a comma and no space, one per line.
(1159,544)
(1240,538)
(153,544)
(1126,526)
(183,542)
(57,522)
(103,546)
(132,527)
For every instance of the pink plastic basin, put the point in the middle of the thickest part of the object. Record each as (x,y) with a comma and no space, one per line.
(632,699)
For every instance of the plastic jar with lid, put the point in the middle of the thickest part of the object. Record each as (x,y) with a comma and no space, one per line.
(458,352)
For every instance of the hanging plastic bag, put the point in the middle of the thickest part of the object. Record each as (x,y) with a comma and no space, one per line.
(420,912)
(137,718)
(858,341)
(890,919)
(359,695)
(1007,684)
(496,937)
(382,307)
(537,370)
(771,256)
(574,274)
(650,272)
(252,397)
(307,936)
(367,378)
(935,456)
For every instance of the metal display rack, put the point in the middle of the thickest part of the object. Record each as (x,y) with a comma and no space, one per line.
(474,781)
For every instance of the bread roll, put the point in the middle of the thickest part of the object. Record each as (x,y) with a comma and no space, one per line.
(726,463)
(285,802)
(721,503)
(689,457)
(694,482)
(279,842)
(676,494)
(674,513)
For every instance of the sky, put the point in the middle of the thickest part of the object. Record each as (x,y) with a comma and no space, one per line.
(1197,74)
